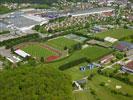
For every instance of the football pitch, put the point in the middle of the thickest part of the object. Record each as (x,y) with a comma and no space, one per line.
(61,42)
(37,50)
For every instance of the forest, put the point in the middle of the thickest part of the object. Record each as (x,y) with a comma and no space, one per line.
(34,83)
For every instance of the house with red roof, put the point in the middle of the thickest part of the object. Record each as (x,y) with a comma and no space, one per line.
(123,46)
(128,67)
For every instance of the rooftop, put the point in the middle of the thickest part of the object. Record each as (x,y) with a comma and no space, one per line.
(130,65)
(3,26)
(92,11)
(124,45)
(107,57)
(20,21)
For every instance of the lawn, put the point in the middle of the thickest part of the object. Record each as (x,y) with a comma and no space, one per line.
(116,33)
(104,92)
(37,51)
(93,52)
(76,74)
(61,42)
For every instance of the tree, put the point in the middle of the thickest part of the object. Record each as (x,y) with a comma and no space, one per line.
(32,62)
(42,59)
(35,83)
(37,27)
(119,55)
(77,46)
(65,48)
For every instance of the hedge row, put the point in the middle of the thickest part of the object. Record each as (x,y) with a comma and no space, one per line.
(73,63)
(11,42)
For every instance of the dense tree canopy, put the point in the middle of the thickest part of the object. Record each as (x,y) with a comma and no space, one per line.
(34,83)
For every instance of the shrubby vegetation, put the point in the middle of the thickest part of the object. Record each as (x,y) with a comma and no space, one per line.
(60,19)
(4,9)
(11,42)
(35,83)
(73,63)
(4,32)
(122,77)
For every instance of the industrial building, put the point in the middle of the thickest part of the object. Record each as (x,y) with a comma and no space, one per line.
(3,26)
(22,22)
(102,10)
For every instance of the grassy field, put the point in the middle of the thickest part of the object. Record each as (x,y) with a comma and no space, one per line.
(37,51)
(76,74)
(61,42)
(90,52)
(116,33)
(93,52)
(104,92)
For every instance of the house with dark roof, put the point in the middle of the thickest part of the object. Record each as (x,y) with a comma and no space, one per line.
(123,46)
(128,67)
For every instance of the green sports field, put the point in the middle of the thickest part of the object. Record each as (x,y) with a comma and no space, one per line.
(36,50)
(92,52)
(116,33)
(61,42)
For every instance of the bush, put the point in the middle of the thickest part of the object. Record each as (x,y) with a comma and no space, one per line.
(102,84)
(11,42)
(73,63)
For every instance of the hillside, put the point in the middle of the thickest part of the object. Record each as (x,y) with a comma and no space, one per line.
(33,83)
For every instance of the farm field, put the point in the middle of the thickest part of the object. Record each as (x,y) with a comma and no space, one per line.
(116,33)
(37,51)
(104,92)
(61,42)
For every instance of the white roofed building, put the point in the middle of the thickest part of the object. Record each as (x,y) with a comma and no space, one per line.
(22,53)
(110,39)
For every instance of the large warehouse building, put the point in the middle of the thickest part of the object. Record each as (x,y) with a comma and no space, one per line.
(23,22)
(92,11)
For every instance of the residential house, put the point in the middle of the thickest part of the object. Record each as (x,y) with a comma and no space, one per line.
(107,59)
(128,67)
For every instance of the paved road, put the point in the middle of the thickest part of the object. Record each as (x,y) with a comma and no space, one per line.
(110,66)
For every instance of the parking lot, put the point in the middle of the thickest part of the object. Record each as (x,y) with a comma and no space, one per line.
(8,55)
